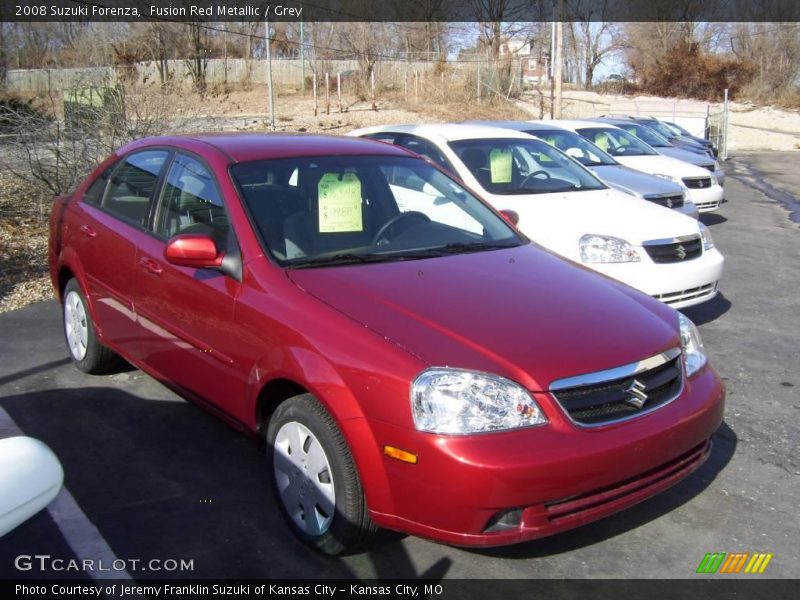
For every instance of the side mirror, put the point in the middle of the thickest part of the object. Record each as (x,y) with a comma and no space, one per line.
(510,215)
(193,250)
(30,477)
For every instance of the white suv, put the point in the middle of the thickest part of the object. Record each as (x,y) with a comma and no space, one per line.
(564,207)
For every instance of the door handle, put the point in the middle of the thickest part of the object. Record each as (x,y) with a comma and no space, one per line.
(149,265)
(88,231)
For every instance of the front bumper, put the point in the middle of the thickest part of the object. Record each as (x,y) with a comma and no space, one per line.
(679,284)
(556,476)
(706,199)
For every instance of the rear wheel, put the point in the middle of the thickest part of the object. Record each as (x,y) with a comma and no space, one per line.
(314,477)
(86,352)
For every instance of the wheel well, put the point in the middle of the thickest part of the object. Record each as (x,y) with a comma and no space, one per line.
(64,275)
(271,395)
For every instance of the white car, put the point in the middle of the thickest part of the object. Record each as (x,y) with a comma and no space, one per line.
(564,207)
(30,478)
(702,186)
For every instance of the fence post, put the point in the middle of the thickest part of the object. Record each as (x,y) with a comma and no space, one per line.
(372,87)
(724,129)
(416,86)
(339,89)
(314,83)
(327,94)
(405,85)
(479,82)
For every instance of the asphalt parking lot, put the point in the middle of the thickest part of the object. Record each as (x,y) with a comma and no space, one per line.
(149,476)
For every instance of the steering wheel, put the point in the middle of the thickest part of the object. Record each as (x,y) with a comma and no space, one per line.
(533,176)
(412,214)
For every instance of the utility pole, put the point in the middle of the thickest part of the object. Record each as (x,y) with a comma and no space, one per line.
(559,62)
(269,76)
(302,58)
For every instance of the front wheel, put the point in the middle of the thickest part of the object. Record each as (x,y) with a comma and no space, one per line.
(314,478)
(86,352)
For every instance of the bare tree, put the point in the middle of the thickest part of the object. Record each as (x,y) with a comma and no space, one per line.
(596,37)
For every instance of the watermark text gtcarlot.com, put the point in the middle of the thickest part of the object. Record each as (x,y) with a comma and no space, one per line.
(45,562)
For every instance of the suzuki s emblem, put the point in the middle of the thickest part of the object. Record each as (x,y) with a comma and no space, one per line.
(636,392)
(669,202)
(681,252)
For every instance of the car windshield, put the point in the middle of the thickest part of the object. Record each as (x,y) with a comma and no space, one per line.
(574,145)
(518,166)
(646,134)
(662,129)
(334,210)
(616,142)
(677,128)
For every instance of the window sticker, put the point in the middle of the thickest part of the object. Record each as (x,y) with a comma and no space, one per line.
(500,165)
(339,203)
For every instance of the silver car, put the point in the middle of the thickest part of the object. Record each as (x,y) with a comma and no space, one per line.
(663,146)
(636,183)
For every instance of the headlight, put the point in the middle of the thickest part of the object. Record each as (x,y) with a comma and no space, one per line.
(694,354)
(705,234)
(713,179)
(596,248)
(460,402)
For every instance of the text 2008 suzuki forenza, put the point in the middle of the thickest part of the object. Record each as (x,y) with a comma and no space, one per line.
(411,359)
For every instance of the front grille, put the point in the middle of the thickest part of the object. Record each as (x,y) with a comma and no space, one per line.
(709,168)
(694,293)
(675,252)
(697,183)
(667,474)
(624,394)
(711,205)
(668,200)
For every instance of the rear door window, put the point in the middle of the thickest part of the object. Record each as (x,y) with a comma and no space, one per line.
(131,188)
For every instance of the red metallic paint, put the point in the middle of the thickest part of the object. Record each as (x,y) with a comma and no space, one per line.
(356,336)
(193,250)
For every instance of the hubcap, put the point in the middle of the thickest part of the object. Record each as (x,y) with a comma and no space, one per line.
(304,479)
(75,325)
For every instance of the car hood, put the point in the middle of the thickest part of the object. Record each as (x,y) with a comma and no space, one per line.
(558,221)
(636,182)
(521,312)
(663,164)
(687,156)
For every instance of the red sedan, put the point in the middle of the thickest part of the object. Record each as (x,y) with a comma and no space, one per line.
(412,361)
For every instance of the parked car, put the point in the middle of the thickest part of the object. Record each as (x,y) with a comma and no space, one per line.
(566,209)
(685,134)
(663,146)
(647,187)
(703,188)
(678,137)
(30,478)
(460,384)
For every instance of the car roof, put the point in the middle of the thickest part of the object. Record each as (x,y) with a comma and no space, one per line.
(578,124)
(448,132)
(523,126)
(242,147)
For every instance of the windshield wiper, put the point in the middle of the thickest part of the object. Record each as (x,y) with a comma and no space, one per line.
(348,258)
(459,247)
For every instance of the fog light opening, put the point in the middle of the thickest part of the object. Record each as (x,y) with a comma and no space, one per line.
(504,520)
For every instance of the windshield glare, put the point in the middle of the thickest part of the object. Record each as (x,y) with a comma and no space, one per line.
(616,142)
(353,209)
(574,146)
(520,166)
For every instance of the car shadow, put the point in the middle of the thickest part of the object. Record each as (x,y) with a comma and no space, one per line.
(712,219)
(724,446)
(700,314)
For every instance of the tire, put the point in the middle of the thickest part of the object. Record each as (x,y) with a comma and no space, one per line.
(314,478)
(86,352)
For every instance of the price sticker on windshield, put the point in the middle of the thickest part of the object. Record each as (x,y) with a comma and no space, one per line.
(500,165)
(340,203)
